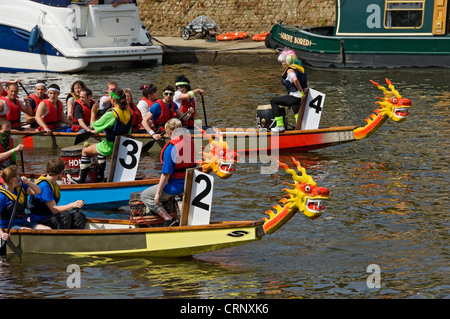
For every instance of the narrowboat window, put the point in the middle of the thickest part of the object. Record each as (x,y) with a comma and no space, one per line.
(403,14)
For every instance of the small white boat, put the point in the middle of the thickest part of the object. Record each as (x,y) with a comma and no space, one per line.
(71,36)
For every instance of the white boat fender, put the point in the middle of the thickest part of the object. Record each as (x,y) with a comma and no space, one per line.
(34,38)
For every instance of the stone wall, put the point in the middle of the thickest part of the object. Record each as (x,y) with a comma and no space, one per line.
(167,17)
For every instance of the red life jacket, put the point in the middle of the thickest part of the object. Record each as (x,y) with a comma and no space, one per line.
(185,105)
(185,159)
(54,115)
(137,117)
(149,102)
(86,115)
(36,101)
(165,116)
(13,114)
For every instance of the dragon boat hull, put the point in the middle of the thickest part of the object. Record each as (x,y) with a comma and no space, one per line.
(109,237)
(107,195)
(239,140)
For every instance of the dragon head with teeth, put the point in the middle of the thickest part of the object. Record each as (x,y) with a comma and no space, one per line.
(305,196)
(216,156)
(392,106)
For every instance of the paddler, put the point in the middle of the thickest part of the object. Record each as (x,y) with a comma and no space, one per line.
(185,99)
(176,157)
(81,112)
(7,149)
(40,93)
(50,113)
(294,80)
(116,121)
(73,96)
(160,113)
(11,107)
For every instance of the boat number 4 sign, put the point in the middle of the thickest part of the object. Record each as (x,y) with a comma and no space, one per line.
(313,111)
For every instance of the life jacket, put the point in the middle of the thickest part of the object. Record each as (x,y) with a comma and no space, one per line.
(72,94)
(36,100)
(148,101)
(2,150)
(86,115)
(6,212)
(166,114)
(122,124)
(185,105)
(301,76)
(185,147)
(37,207)
(13,114)
(137,117)
(53,117)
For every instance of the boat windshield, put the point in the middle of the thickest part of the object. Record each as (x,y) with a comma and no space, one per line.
(54,3)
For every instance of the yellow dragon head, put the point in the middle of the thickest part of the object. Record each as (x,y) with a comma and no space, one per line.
(392,105)
(216,156)
(305,196)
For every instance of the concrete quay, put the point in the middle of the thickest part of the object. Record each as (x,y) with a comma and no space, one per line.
(199,50)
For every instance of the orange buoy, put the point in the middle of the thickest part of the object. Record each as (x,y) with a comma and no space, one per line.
(260,37)
(231,36)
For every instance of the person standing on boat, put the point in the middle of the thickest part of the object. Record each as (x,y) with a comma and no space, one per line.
(11,107)
(116,121)
(176,157)
(295,81)
(135,112)
(50,113)
(185,99)
(44,206)
(40,93)
(81,113)
(73,96)
(150,95)
(160,113)
(7,149)
(9,194)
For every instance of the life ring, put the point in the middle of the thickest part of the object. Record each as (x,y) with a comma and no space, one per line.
(231,36)
(260,37)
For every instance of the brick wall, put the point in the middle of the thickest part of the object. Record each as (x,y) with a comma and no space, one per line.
(167,17)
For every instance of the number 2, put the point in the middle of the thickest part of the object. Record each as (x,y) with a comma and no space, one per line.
(197,201)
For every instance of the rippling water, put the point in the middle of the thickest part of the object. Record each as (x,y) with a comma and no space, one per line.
(388,203)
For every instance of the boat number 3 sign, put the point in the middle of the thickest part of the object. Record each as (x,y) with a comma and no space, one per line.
(198,196)
(125,159)
(313,110)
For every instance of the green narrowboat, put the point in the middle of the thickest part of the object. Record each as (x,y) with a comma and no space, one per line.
(373,34)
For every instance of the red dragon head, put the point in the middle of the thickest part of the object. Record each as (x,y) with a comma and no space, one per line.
(216,156)
(305,196)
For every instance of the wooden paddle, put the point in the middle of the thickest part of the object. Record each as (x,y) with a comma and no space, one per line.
(204,111)
(81,137)
(150,144)
(13,214)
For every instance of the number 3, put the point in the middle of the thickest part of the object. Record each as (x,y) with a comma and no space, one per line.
(131,154)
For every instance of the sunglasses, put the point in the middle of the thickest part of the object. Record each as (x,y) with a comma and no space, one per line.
(168,93)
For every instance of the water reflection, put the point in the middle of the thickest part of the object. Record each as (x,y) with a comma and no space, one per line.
(388,202)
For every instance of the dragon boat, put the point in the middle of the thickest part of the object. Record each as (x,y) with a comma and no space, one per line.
(128,238)
(216,157)
(392,106)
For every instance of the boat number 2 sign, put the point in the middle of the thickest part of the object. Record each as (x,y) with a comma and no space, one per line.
(125,159)
(313,110)
(200,199)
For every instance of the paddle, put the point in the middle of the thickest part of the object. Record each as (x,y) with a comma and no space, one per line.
(26,92)
(21,161)
(204,111)
(13,214)
(81,137)
(150,144)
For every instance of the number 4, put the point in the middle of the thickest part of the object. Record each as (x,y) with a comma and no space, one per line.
(316,103)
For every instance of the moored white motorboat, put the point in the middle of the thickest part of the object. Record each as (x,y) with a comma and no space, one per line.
(71,36)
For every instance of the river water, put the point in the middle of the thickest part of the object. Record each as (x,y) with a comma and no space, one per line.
(388,209)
